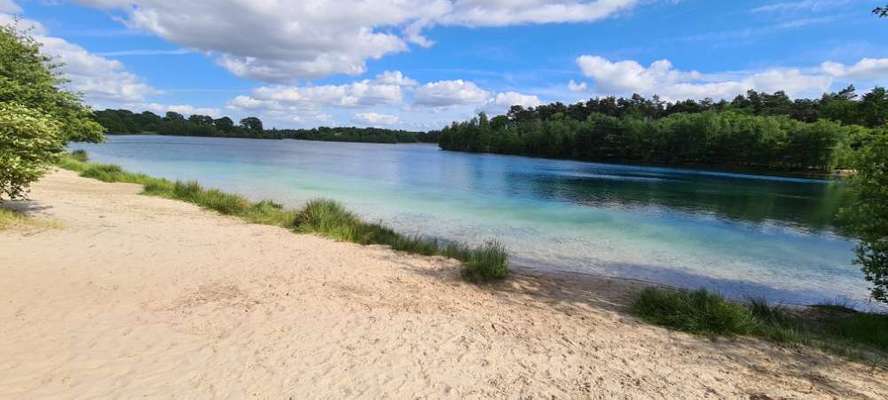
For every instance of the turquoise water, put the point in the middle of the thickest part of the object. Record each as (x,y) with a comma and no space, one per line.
(742,235)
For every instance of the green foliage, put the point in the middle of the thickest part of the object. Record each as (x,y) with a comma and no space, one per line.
(29,143)
(125,121)
(32,80)
(487,263)
(36,117)
(868,216)
(80,155)
(323,217)
(832,328)
(696,312)
(10,218)
(720,139)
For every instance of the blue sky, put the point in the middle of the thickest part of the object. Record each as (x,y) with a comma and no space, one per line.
(420,64)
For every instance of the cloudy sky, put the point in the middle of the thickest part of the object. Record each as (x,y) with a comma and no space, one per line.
(419,64)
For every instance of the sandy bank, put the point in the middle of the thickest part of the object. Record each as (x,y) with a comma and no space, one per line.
(134,296)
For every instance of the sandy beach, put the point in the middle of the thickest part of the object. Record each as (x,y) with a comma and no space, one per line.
(128,296)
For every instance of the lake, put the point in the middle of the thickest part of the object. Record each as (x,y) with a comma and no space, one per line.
(742,235)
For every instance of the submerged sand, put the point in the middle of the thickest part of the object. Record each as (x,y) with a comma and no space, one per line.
(130,296)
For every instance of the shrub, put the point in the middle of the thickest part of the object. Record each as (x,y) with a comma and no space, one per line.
(30,142)
(696,311)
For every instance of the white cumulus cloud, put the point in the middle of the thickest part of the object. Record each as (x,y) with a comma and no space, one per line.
(663,79)
(281,41)
(101,80)
(865,69)
(386,88)
(376,119)
(450,93)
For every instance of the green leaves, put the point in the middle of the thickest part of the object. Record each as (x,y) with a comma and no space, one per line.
(868,216)
(29,143)
(37,118)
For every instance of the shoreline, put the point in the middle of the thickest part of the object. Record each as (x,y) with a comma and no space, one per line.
(145,296)
(835,176)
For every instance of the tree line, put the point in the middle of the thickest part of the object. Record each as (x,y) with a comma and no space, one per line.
(754,131)
(173,123)
(845,106)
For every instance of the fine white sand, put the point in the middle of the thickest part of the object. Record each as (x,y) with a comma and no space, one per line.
(129,296)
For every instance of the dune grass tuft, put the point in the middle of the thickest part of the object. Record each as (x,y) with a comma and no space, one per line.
(80,155)
(697,312)
(10,218)
(837,329)
(487,263)
(322,217)
(328,218)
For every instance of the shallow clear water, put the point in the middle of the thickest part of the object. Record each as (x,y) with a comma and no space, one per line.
(739,234)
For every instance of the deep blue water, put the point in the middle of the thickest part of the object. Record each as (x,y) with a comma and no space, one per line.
(742,235)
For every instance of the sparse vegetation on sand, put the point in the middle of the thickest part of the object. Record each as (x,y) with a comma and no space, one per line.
(327,218)
(833,328)
(10,218)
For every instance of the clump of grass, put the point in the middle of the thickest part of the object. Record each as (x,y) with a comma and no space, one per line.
(697,312)
(837,329)
(80,155)
(853,326)
(486,263)
(267,212)
(113,173)
(10,218)
(328,218)
(323,217)
(213,199)
(71,163)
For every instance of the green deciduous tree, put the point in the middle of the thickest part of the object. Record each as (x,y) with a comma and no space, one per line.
(37,116)
(869,214)
(33,80)
(252,124)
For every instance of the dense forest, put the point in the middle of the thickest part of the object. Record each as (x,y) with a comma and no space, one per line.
(172,123)
(755,131)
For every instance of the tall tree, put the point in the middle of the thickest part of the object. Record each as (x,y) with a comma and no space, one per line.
(224,124)
(252,124)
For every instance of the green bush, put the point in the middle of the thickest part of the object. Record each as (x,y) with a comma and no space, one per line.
(696,311)
(30,142)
